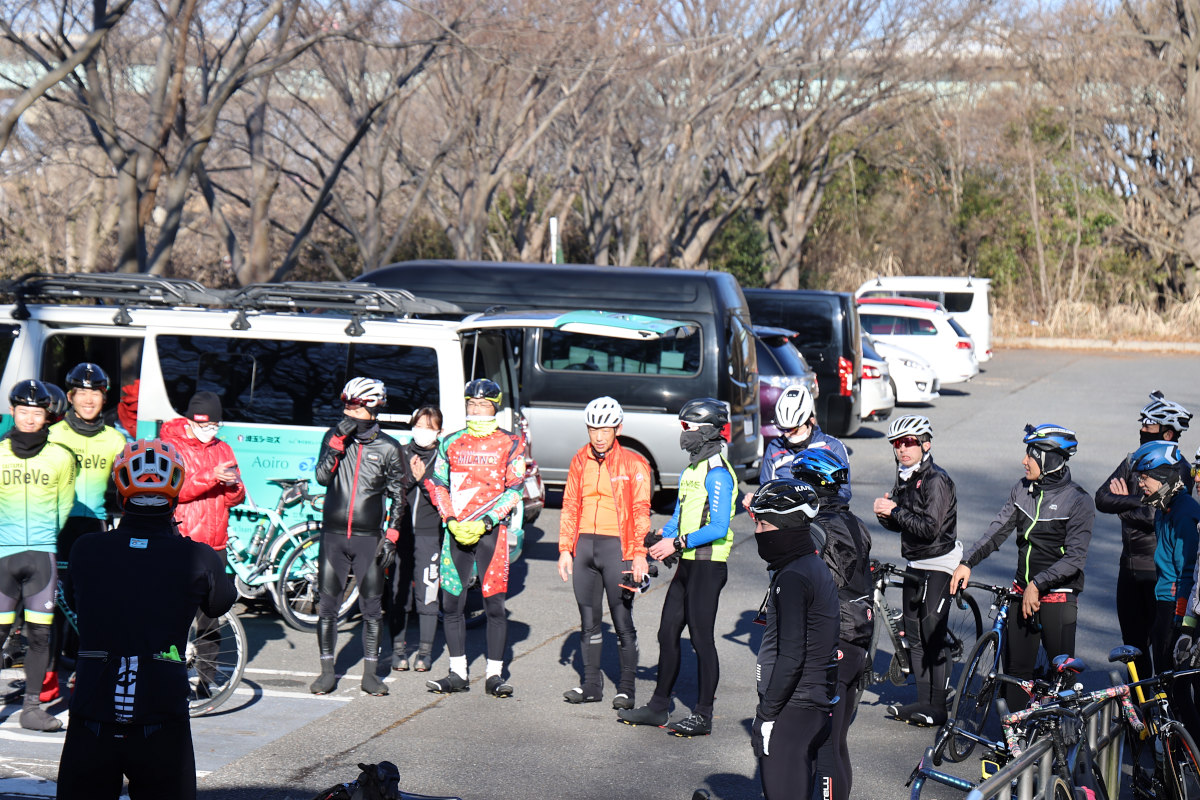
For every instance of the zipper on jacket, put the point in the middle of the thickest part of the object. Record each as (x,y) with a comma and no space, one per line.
(354,490)
(1037,515)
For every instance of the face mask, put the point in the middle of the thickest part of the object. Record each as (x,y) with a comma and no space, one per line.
(365,426)
(424,437)
(478,425)
(691,442)
(799,439)
(204,435)
(1147,436)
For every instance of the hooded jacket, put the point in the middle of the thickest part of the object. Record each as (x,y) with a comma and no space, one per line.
(204,502)
(1053,520)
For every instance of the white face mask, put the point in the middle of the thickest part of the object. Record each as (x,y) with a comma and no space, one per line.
(424,437)
(204,434)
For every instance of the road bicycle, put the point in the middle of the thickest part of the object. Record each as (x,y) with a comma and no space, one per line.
(1176,771)
(257,558)
(978,683)
(964,626)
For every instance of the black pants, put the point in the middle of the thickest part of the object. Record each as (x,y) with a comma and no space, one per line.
(1162,643)
(415,587)
(66,640)
(1057,636)
(95,758)
(926,609)
(339,554)
(692,601)
(1135,606)
(788,772)
(478,555)
(834,771)
(597,571)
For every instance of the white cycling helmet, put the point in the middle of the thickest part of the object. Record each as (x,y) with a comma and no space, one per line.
(909,425)
(603,412)
(793,408)
(1162,411)
(364,392)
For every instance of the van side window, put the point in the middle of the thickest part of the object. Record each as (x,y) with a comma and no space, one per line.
(959,302)
(119,356)
(561,350)
(291,383)
(8,335)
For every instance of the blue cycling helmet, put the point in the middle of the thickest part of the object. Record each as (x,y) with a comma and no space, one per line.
(820,468)
(1159,460)
(1051,438)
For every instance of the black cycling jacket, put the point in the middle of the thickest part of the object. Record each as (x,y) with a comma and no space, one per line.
(1138,539)
(136,592)
(360,478)
(847,553)
(926,513)
(797,661)
(423,517)
(1053,519)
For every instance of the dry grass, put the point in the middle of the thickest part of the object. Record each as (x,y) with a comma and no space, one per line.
(1180,322)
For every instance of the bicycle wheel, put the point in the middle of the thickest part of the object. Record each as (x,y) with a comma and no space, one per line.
(216,658)
(964,627)
(1060,790)
(298,591)
(1182,772)
(280,548)
(973,700)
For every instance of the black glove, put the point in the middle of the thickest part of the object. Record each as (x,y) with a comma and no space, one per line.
(760,736)
(386,551)
(346,426)
(653,538)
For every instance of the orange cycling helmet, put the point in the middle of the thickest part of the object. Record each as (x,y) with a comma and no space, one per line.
(148,467)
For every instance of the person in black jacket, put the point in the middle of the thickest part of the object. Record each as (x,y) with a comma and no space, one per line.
(846,550)
(797,661)
(136,591)
(1052,516)
(923,508)
(415,581)
(1160,420)
(361,466)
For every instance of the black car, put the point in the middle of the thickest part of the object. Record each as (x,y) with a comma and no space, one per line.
(828,335)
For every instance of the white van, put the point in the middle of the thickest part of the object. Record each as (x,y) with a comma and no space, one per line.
(968,301)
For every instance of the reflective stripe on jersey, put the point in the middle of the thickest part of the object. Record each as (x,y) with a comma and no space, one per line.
(695,509)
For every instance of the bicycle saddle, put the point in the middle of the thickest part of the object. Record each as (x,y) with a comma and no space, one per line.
(287,483)
(1066,663)
(1124,653)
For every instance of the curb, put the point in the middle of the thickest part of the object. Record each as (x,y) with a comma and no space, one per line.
(1031,342)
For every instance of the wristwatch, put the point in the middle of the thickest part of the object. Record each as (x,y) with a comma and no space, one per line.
(680,543)
(488,525)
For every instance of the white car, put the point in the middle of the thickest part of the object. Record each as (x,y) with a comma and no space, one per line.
(966,300)
(915,380)
(925,328)
(878,391)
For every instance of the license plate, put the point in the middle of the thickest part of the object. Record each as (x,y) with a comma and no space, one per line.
(531,487)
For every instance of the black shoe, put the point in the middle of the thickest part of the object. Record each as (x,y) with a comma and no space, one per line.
(34,718)
(691,725)
(901,712)
(623,702)
(400,661)
(927,717)
(453,682)
(582,695)
(496,687)
(325,683)
(643,716)
(421,663)
(371,683)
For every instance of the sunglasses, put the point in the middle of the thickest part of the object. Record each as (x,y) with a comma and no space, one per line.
(354,402)
(907,441)
(691,426)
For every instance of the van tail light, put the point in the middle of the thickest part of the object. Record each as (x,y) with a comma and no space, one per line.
(845,376)
(871,372)
(964,344)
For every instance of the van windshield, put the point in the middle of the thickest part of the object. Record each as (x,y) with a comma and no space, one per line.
(679,356)
(812,321)
(291,383)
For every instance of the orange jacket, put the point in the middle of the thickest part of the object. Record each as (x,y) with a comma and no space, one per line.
(631,484)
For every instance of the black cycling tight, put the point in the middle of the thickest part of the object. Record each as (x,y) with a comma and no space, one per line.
(455,625)
(158,760)
(597,571)
(926,609)
(35,576)
(834,771)
(692,601)
(788,771)
(340,554)
(1056,636)
(415,584)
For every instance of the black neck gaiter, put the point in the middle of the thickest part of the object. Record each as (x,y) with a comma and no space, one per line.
(27,445)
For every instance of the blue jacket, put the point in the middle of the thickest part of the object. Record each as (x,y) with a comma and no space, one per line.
(779,452)
(1175,555)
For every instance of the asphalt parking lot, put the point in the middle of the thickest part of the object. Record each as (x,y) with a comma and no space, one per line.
(274,740)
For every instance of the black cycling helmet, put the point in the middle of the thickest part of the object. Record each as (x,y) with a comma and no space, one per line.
(706,411)
(58,403)
(484,389)
(87,375)
(30,392)
(821,468)
(785,503)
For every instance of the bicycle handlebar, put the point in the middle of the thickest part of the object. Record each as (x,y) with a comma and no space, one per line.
(999,592)
(1066,703)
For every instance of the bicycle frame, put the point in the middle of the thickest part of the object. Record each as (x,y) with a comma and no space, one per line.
(256,560)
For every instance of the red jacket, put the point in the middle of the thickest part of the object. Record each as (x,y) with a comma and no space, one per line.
(204,502)
(632,486)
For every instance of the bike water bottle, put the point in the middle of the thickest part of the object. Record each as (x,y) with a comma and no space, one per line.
(256,541)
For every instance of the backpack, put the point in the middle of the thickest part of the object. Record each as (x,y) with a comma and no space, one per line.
(376,782)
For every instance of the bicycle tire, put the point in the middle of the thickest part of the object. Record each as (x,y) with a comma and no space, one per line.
(298,588)
(1060,790)
(281,547)
(1182,770)
(964,626)
(220,671)
(879,613)
(973,700)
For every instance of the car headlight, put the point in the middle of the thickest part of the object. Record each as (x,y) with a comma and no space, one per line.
(908,362)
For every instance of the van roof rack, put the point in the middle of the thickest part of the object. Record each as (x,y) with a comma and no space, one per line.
(356,299)
(121,289)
